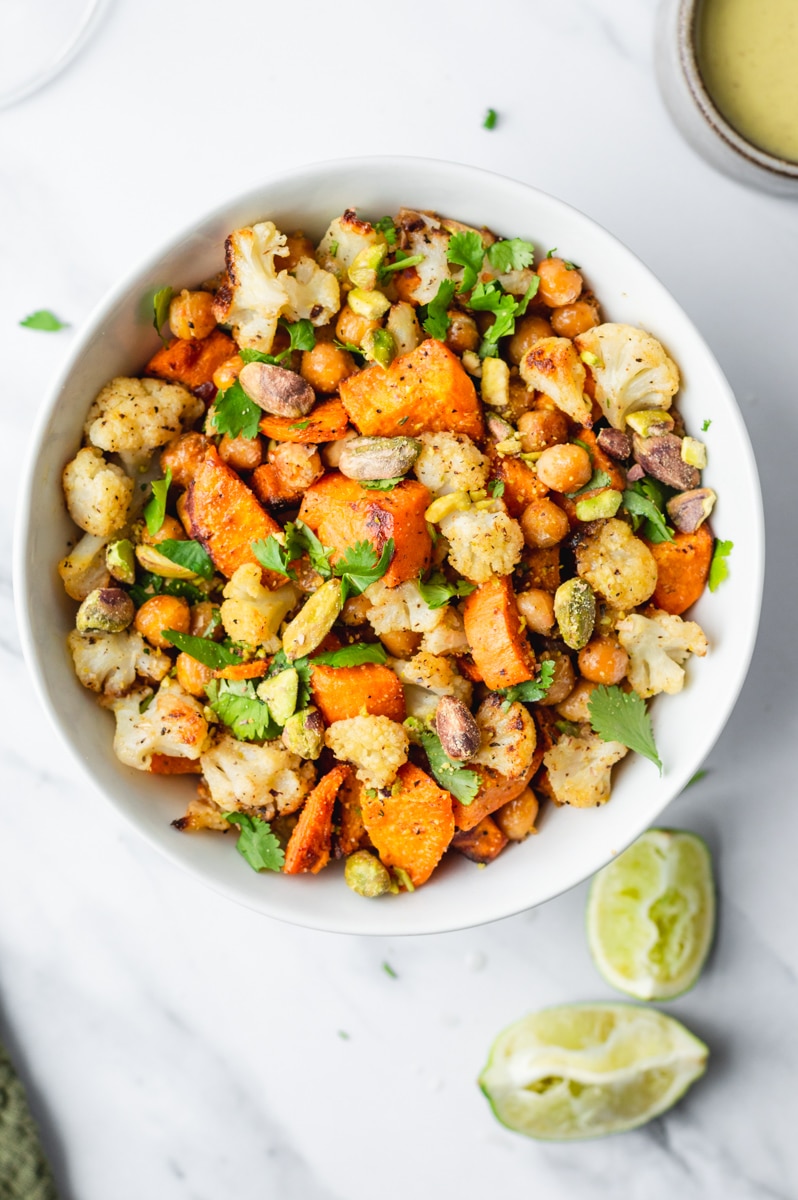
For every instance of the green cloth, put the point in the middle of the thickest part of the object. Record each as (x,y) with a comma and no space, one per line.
(24,1171)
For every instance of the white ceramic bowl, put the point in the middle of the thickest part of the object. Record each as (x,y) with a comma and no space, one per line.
(118,339)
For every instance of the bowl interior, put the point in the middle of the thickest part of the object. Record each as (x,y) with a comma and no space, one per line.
(572,844)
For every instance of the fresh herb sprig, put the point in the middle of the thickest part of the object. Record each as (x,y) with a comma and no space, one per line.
(619,716)
(462,783)
(256,842)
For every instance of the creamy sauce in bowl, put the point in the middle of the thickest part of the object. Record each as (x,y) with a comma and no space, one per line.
(748,58)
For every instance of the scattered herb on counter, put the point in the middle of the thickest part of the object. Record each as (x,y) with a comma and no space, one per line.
(491,117)
(388,969)
(44,320)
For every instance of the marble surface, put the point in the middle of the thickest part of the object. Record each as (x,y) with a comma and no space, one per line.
(181,1048)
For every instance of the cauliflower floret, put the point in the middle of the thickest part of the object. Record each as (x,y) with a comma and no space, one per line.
(139,414)
(84,567)
(617,565)
(173,724)
(450,462)
(110,662)
(251,613)
(483,542)
(580,768)
(402,608)
(657,646)
(434,673)
(631,370)
(553,367)
(422,233)
(347,235)
(376,745)
(254,296)
(244,775)
(509,738)
(98,493)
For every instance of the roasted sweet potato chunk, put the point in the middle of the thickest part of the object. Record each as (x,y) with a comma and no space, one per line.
(326,422)
(343,692)
(495,790)
(424,391)
(191,361)
(493,627)
(482,843)
(351,833)
(412,825)
(308,848)
(682,569)
(341,512)
(223,514)
(521,484)
(170,764)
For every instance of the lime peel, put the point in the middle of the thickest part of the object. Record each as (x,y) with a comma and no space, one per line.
(588,1070)
(651,915)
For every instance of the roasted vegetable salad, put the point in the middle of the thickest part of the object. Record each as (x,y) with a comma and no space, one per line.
(388,546)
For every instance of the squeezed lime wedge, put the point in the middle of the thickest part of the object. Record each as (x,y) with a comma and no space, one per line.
(651,915)
(587,1070)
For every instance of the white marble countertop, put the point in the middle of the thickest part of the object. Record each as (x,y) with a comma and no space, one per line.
(178,1047)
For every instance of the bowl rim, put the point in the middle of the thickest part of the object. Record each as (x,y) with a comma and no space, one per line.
(26,495)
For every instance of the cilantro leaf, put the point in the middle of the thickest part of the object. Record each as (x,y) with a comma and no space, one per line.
(350,347)
(386,227)
(382,485)
(155,508)
(234,413)
(598,479)
(272,556)
(209,653)
(299,534)
(489,297)
(237,705)
(301,336)
(256,842)
(149,585)
(160,310)
(188,554)
(299,425)
(359,566)
(351,656)
(618,716)
(402,260)
(511,255)
(496,487)
(462,784)
(437,590)
(43,320)
(706,424)
(437,321)
(719,568)
(532,689)
(643,499)
(491,117)
(466,250)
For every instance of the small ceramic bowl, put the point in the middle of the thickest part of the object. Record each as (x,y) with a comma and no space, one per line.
(118,339)
(694,111)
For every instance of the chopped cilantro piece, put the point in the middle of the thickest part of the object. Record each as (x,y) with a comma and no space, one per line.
(496,488)
(437,590)
(43,320)
(382,485)
(719,567)
(706,424)
(352,656)
(188,554)
(386,227)
(299,425)
(256,842)
(155,508)
(236,703)
(491,117)
(160,310)
(234,413)
(462,784)
(359,566)
(699,775)
(273,556)
(645,500)
(466,250)
(511,255)
(598,479)
(209,653)
(619,716)
(388,969)
(437,322)
(333,248)
(532,689)
(402,260)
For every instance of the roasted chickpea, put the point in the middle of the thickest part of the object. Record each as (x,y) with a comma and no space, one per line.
(298,464)
(298,246)
(191,315)
(573,319)
(462,333)
(516,818)
(356,610)
(159,613)
(603,660)
(228,372)
(192,675)
(537,609)
(563,681)
(202,615)
(542,428)
(241,453)
(401,644)
(331,453)
(528,330)
(543,523)
(564,468)
(171,530)
(559,284)
(326,366)
(521,399)
(575,706)
(183,457)
(351,328)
